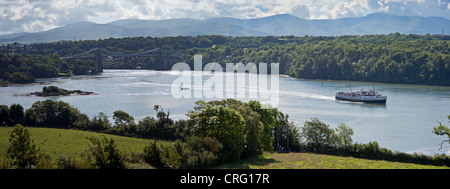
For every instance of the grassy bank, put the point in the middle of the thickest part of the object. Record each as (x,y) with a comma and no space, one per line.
(320,161)
(56,142)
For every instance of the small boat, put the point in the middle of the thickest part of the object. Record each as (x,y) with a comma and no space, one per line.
(184,88)
(370,96)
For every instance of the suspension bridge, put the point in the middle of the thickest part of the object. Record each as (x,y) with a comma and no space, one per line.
(165,59)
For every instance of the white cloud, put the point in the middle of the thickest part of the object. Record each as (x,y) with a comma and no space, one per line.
(37,15)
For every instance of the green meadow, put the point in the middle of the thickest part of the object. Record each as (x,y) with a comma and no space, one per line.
(68,142)
(319,161)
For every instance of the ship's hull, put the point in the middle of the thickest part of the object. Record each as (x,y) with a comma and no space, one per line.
(376,100)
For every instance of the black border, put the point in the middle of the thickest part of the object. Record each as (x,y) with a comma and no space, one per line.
(304,178)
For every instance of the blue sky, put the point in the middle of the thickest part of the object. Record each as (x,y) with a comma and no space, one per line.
(38,15)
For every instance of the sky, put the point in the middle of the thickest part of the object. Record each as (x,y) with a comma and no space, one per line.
(38,15)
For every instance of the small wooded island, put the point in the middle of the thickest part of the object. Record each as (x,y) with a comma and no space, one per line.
(55,91)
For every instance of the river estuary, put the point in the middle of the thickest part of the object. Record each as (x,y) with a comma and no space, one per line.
(404,124)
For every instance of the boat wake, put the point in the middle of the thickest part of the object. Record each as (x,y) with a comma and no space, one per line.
(307,95)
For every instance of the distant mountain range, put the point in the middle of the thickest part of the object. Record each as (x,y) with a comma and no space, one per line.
(278,25)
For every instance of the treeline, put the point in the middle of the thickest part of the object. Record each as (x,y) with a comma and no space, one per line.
(18,68)
(409,62)
(60,114)
(215,132)
(393,58)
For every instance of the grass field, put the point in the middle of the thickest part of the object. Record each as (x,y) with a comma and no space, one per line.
(320,161)
(56,142)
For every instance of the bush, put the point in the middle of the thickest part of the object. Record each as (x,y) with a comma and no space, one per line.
(370,150)
(201,153)
(103,154)
(152,155)
(64,162)
(44,161)
(194,153)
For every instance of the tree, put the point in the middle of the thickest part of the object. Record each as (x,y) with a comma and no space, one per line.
(99,122)
(22,150)
(16,114)
(147,127)
(65,68)
(163,118)
(253,131)
(344,134)
(164,124)
(286,135)
(204,42)
(49,113)
(268,120)
(50,89)
(442,130)
(222,123)
(227,51)
(20,77)
(122,117)
(318,134)
(4,115)
(103,154)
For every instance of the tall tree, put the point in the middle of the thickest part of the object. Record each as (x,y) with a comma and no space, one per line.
(22,151)
(4,115)
(16,114)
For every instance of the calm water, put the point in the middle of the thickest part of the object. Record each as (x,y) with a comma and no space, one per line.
(404,124)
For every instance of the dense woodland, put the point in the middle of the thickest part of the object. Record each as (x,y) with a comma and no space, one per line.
(393,58)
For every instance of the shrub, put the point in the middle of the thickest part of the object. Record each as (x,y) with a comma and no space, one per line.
(64,162)
(103,154)
(152,155)
(194,153)
(201,153)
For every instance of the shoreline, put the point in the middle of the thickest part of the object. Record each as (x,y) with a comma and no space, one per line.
(30,84)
